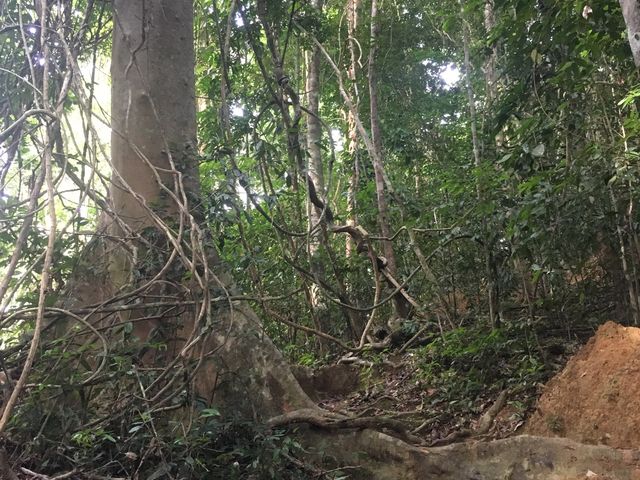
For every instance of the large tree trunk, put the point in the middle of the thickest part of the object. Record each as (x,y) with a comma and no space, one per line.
(153,107)
(631,12)
(155,181)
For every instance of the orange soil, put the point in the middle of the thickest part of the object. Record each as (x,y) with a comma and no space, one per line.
(596,398)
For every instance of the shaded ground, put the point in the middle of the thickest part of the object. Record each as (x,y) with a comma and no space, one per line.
(395,389)
(596,397)
(599,387)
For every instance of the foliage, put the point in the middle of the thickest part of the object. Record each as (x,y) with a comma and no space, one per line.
(469,361)
(111,433)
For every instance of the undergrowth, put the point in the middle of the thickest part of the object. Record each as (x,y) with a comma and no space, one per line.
(139,447)
(109,429)
(468,361)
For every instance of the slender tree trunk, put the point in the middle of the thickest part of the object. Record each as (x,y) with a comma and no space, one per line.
(631,13)
(400,306)
(314,127)
(634,302)
(315,171)
(489,262)
(352,7)
(376,138)
(490,63)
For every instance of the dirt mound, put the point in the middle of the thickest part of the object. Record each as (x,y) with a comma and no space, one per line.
(596,398)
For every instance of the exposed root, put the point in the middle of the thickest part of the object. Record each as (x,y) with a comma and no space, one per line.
(381,457)
(483,425)
(333,421)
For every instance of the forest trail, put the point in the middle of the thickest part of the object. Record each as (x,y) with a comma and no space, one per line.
(593,400)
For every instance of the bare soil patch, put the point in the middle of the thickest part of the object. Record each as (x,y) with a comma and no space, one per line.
(595,399)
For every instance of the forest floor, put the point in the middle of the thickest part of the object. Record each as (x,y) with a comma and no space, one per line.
(583,385)
(594,399)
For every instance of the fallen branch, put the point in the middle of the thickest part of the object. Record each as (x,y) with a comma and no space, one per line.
(489,416)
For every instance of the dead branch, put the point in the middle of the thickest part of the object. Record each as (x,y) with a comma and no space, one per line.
(489,416)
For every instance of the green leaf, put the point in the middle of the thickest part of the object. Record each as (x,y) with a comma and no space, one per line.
(135,428)
(209,412)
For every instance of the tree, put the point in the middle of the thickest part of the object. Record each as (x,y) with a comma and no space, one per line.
(400,305)
(488,238)
(352,7)
(155,193)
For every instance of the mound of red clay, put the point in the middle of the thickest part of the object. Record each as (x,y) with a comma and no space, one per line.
(596,398)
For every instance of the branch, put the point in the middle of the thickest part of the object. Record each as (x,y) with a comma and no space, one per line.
(36,111)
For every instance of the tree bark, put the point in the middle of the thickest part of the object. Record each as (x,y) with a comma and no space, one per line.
(155,180)
(488,260)
(314,127)
(631,12)
(152,106)
(490,63)
(315,171)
